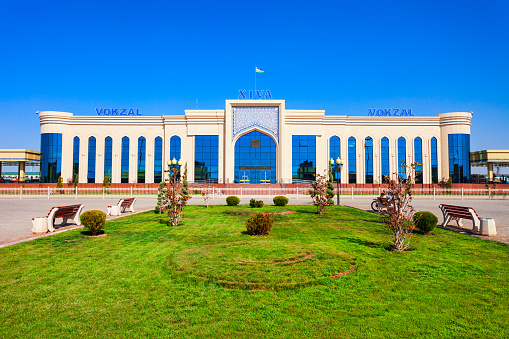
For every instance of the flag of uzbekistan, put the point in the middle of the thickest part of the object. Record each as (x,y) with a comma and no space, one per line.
(258,70)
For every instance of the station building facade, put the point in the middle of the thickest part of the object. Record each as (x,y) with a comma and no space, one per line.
(253,141)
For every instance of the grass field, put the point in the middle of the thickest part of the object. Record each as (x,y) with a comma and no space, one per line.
(207,278)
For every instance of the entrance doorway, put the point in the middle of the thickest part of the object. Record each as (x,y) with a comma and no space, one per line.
(255,159)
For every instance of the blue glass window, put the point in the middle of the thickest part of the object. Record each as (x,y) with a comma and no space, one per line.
(142,150)
(124,163)
(459,158)
(175,148)
(255,158)
(384,152)
(76,158)
(335,152)
(158,160)
(303,157)
(418,159)
(206,156)
(402,157)
(91,160)
(352,157)
(434,160)
(108,156)
(51,158)
(368,159)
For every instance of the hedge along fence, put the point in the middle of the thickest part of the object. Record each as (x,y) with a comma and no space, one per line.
(214,192)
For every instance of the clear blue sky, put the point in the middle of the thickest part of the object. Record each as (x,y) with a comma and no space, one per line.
(343,57)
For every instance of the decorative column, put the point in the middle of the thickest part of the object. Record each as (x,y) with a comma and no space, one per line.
(21,171)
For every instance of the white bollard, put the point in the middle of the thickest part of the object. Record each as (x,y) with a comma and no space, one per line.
(20,192)
(433,193)
(352,193)
(462,193)
(48,193)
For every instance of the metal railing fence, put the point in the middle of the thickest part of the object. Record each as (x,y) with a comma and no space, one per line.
(213,192)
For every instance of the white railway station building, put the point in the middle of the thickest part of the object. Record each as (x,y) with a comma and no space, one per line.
(253,141)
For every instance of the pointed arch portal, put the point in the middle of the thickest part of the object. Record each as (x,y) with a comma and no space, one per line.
(255,158)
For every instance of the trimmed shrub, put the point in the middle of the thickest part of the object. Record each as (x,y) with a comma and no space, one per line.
(425,221)
(259,224)
(280,200)
(232,200)
(93,220)
(255,203)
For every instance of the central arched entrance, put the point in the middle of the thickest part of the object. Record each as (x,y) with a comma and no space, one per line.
(255,158)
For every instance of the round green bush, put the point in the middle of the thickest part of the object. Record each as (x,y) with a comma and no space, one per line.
(255,203)
(232,200)
(259,224)
(93,220)
(280,200)
(425,221)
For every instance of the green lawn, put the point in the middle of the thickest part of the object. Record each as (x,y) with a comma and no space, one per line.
(207,278)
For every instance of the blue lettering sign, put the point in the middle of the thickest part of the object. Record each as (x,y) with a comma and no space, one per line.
(117,111)
(258,94)
(386,112)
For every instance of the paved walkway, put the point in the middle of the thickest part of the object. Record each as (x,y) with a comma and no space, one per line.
(16,214)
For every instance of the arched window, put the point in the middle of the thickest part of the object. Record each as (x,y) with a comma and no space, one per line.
(175,148)
(108,157)
(91,160)
(352,156)
(334,153)
(142,143)
(402,157)
(434,161)
(124,164)
(76,159)
(418,160)
(368,160)
(384,153)
(158,160)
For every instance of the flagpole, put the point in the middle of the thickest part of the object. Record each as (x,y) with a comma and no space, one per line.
(255,82)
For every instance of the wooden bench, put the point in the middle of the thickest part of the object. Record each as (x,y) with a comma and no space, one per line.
(64,212)
(460,212)
(124,204)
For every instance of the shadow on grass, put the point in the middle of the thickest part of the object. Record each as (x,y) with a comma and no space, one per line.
(362,242)
(90,234)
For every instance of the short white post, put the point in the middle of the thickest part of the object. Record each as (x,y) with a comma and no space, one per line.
(131,191)
(20,192)
(433,193)
(462,193)
(76,195)
(48,192)
(103,193)
(489,193)
(352,193)
(297,192)
(213,193)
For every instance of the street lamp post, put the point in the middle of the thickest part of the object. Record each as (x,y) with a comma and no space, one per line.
(338,162)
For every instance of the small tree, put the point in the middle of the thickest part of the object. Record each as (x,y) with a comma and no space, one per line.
(330,185)
(398,214)
(319,193)
(60,184)
(161,198)
(107,180)
(176,196)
